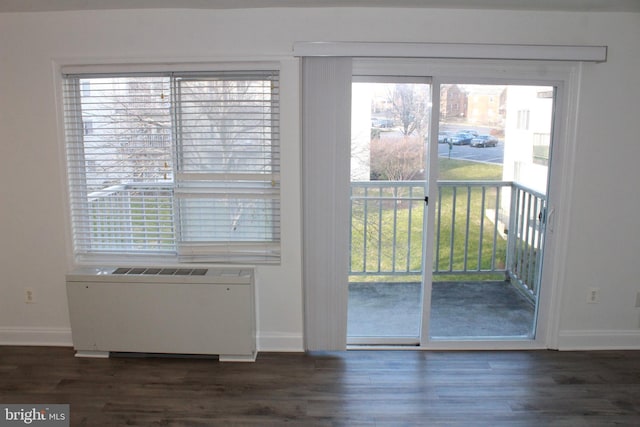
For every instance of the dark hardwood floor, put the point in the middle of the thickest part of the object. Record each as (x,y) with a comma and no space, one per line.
(368,388)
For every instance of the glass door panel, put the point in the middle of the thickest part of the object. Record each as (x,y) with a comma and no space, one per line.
(493,161)
(390,128)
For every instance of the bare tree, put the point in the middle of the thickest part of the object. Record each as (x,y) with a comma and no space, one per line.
(127,130)
(128,127)
(227,120)
(410,107)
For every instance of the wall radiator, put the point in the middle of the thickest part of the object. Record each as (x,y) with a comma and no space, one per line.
(200,311)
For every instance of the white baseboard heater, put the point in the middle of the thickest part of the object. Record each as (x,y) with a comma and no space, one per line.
(203,311)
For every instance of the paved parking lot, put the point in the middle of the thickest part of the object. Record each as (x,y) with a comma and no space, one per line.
(493,155)
(466,152)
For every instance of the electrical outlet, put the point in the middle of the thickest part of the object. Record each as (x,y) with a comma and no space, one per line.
(593,297)
(29,297)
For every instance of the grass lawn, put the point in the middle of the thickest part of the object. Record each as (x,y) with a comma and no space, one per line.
(383,252)
(462,170)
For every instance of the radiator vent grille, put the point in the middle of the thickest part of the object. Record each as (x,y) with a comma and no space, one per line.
(153,271)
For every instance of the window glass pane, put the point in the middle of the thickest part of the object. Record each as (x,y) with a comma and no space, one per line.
(389,126)
(130,130)
(228,220)
(389,133)
(490,213)
(226,126)
(229,152)
(120,168)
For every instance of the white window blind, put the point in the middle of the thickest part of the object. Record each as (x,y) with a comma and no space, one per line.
(175,164)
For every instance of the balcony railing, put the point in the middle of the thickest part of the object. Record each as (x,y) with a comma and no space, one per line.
(481,227)
(386,227)
(126,217)
(528,216)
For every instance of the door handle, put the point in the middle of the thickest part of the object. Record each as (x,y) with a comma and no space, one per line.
(550,220)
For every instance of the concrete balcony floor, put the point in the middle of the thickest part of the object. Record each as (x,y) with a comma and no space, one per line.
(458,310)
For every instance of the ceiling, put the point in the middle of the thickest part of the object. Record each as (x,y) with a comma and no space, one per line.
(551,5)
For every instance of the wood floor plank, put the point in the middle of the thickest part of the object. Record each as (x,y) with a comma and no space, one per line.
(355,388)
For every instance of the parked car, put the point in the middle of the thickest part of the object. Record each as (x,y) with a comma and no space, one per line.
(382,123)
(471,131)
(443,137)
(461,138)
(484,141)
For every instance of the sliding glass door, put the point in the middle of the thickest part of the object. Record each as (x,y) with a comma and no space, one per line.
(447,238)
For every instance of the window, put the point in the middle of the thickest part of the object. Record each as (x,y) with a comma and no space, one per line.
(178,164)
(523,120)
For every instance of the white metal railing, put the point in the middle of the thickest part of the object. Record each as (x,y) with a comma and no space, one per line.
(469,227)
(130,216)
(103,227)
(386,227)
(481,227)
(527,220)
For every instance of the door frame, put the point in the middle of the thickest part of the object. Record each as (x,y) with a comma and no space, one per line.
(565,78)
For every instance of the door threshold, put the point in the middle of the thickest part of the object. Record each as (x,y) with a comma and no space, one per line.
(383,341)
(360,347)
(506,345)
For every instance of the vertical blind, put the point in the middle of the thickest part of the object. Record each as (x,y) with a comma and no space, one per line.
(175,164)
(326,136)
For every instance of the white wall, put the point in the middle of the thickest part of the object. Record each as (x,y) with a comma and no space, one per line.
(604,236)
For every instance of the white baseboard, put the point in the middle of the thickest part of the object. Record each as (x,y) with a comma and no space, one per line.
(568,339)
(280,342)
(599,340)
(61,337)
(54,337)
